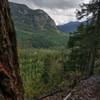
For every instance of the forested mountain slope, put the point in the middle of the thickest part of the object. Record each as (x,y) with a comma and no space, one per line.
(35,28)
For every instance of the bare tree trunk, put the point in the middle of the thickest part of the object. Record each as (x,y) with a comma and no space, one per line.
(10,80)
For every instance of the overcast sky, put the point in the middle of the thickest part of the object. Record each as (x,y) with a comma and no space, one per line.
(62,11)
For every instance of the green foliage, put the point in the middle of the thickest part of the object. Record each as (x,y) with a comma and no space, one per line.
(42,39)
(85,42)
(81,44)
(42,70)
(45,70)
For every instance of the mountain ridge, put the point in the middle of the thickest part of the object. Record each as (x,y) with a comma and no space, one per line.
(69,27)
(35,28)
(35,19)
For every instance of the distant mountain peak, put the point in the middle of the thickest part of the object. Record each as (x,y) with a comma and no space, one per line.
(32,19)
(69,27)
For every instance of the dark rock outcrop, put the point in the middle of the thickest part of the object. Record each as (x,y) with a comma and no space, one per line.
(10,81)
(86,90)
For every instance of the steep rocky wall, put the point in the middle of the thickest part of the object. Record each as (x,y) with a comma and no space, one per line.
(10,81)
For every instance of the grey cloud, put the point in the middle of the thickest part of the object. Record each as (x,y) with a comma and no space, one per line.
(57,4)
(62,11)
(60,4)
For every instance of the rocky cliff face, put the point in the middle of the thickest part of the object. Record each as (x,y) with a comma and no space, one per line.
(42,20)
(10,81)
(32,20)
(86,90)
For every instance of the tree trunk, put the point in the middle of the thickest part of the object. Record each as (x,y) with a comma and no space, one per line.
(10,80)
(91,63)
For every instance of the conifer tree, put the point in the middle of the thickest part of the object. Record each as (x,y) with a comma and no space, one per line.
(85,42)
